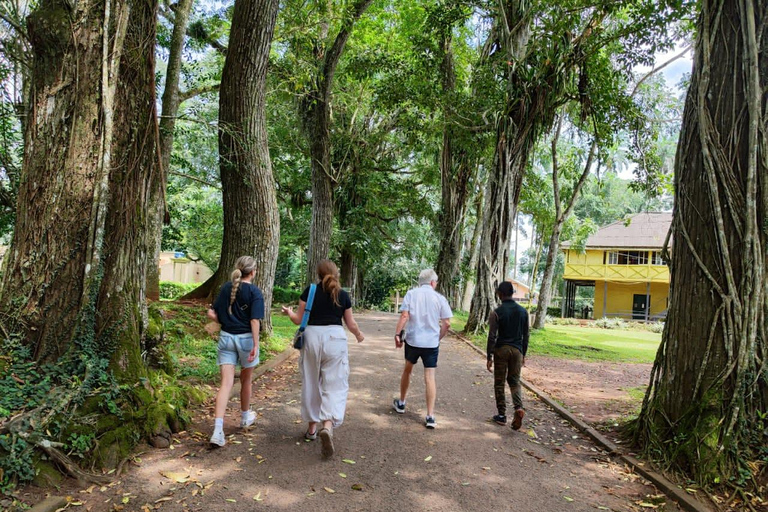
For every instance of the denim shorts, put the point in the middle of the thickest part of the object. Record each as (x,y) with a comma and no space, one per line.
(428,355)
(234,349)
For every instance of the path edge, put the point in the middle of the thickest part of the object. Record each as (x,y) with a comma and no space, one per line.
(260,370)
(665,485)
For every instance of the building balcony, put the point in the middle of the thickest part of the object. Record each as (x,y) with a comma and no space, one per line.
(617,273)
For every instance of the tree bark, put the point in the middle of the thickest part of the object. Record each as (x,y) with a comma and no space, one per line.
(315,121)
(474,253)
(251,217)
(515,140)
(561,216)
(171,101)
(456,174)
(64,243)
(709,382)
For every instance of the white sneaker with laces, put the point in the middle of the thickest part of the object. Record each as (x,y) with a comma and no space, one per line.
(218,438)
(248,420)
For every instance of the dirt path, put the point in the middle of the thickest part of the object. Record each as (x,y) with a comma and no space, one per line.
(467,463)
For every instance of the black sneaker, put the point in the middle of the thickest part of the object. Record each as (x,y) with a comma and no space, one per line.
(398,406)
(430,422)
(501,419)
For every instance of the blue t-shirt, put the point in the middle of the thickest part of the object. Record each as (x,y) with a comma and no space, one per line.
(248,305)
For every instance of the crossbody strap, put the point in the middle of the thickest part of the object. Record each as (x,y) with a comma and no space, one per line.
(308,307)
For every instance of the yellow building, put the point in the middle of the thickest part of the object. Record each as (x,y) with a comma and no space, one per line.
(623,262)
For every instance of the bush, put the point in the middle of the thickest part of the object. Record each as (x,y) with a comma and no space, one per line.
(170,290)
(611,323)
(562,321)
(656,327)
(285,295)
(552,311)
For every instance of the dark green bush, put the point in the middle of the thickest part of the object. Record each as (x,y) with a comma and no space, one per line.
(285,295)
(170,290)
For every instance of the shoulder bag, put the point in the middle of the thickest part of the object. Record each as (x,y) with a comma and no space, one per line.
(298,338)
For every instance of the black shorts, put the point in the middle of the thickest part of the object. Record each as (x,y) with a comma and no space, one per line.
(428,355)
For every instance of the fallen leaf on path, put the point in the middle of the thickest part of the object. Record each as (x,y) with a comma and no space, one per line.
(231,500)
(464,483)
(258,497)
(357,487)
(567,498)
(429,458)
(329,490)
(176,477)
(342,475)
(238,459)
(165,498)
(486,468)
(348,461)
(532,433)
(645,504)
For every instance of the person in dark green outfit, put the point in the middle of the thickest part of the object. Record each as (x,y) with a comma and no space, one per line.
(507,345)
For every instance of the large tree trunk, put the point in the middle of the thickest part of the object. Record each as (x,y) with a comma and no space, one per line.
(456,175)
(474,253)
(315,122)
(251,217)
(709,382)
(545,292)
(515,140)
(56,262)
(157,203)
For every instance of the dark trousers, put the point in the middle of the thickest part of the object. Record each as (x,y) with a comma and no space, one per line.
(507,365)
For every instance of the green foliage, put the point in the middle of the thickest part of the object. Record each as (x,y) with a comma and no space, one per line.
(171,290)
(610,323)
(285,295)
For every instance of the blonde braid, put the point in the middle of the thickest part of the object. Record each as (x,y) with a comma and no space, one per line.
(244,266)
(236,275)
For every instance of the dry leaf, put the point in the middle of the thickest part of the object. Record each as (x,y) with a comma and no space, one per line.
(348,461)
(176,477)
(231,500)
(429,458)
(258,497)
(357,487)
(342,475)
(329,490)
(165,498)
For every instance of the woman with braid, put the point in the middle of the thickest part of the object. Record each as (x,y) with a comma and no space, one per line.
(324,360)
(239,309)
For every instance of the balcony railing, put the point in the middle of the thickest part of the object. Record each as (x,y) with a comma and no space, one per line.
(626,273)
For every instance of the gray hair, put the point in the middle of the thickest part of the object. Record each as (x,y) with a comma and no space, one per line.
(427,276)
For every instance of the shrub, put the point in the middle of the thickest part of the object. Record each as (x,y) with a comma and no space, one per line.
(170,290)
(611,323)
(285,295)
(552,311)
(562,321)
(657,327)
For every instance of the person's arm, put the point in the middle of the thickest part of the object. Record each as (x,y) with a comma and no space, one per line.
(493,329)
(404,317)
(212,315)
(255,326)
(445,324)
(349,319)
(295,316)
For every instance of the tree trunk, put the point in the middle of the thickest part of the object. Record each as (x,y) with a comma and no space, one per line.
(315,122)
(56,262)
(474,253)
(537,257)
(709,383)
(349,273)
(157,205)
(515,140)
(545,291)
(456,175)
(251,218)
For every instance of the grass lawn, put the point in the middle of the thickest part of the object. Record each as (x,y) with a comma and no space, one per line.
(584,343)
(193,349)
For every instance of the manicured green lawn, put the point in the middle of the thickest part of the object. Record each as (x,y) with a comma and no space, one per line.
(584,343)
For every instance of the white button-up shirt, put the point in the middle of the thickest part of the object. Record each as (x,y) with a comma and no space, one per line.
(425,308)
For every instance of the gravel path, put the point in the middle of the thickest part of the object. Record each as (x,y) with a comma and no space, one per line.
(384,460)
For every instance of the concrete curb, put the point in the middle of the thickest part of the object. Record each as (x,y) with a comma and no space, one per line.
(665,485)
(49,504)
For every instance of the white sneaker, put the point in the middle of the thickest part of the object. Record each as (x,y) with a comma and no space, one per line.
(218,438)
(248,420)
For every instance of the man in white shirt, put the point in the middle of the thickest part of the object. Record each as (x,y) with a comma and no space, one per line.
(426,316)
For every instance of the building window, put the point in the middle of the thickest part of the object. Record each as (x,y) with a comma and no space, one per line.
(628,258)
(656,258)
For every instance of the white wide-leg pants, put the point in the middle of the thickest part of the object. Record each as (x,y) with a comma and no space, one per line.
(324,365)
